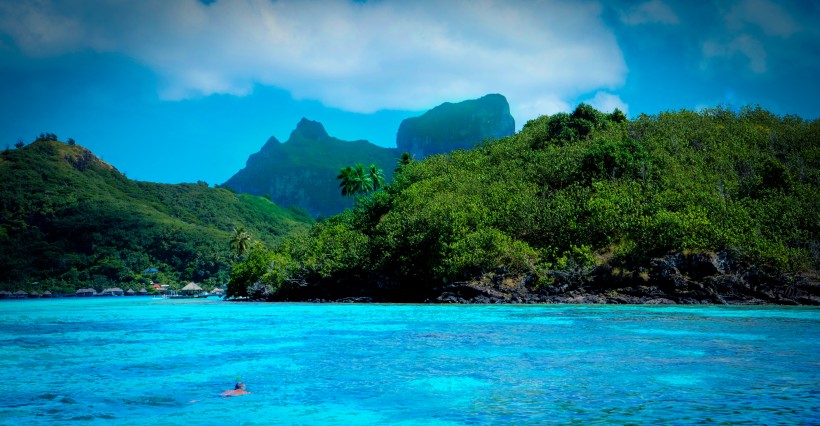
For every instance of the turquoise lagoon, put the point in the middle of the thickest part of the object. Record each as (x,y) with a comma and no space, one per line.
(143,361)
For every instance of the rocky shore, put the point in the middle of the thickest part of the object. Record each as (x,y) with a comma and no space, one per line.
(704,278)
(673,279)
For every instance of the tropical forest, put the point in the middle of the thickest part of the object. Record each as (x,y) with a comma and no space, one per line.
(711,206)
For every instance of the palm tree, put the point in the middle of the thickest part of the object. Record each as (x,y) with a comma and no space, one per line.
(241,241)
(376,177)
(404,160)
(355,180)
(348,184)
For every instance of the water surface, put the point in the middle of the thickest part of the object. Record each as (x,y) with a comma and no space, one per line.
(143,361)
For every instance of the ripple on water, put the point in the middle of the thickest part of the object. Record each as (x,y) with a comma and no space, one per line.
(139,362)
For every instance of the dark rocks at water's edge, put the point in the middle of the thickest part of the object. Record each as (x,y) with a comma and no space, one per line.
(674,279)
(704,278)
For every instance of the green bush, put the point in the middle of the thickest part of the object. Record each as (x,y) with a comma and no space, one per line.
(571,191)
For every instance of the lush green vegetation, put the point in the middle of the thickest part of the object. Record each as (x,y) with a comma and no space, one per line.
(568,192)
(69,220)
(355,180)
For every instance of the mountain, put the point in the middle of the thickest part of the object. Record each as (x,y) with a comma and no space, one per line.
(717,206)
(302,171)
(462,125)
(68,220)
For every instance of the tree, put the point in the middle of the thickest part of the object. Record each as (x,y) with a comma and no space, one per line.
(241,241)
(71,141)
(404,160)
(19,144)
(354,180)
(376,178)
(618,116)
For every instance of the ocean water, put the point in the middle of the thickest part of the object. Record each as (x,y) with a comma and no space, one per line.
(143,361)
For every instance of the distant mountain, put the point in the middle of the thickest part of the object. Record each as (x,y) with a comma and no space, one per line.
(462,125)
(302,171)
(68,219)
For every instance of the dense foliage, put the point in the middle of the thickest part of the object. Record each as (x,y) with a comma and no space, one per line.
(567,192)
(355,180)
(69,220)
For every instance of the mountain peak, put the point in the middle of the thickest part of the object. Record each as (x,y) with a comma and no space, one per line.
(452,126)
(311,129)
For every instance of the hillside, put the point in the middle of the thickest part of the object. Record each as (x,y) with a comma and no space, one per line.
(453,126)
(683,207)
(302,171)
(69,220)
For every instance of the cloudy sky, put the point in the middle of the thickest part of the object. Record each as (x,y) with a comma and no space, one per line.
(184,90)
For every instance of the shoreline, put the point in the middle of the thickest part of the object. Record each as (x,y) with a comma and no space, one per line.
(679,279)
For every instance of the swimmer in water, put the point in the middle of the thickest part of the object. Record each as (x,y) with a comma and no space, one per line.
(238,390)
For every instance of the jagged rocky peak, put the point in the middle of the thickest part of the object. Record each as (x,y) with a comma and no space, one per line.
(310,129)
(452,126)
(302,170)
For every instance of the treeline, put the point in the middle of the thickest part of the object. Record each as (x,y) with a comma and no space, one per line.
(68,220)
(566,194)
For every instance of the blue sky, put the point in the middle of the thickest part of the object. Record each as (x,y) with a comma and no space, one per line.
(185,90)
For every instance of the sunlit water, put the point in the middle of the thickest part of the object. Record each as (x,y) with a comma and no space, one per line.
(143,361)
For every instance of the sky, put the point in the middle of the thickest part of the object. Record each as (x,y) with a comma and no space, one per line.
(185,90)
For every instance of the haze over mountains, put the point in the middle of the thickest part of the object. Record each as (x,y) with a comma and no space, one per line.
(302,171)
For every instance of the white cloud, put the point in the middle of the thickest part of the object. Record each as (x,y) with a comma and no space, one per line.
(535,108)
(751,31)
(745,45)
(356,56)
(769,17)
(653,11)
(607,102)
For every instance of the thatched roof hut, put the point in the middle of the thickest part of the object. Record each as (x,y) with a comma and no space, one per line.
(19,294)
(130,292)
(46,293)
(34,294)
(5,294)
(143,292)
(86,292)
(191,288)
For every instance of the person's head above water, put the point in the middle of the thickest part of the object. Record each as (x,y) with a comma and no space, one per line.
(239,389)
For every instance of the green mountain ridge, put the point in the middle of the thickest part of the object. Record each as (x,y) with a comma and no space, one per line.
(302,171)
(69,220)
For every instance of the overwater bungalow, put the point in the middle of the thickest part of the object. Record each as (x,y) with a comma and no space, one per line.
(86,292)
(34,295)
(46,293)
(5,294)
(143,292)
(191,290)
(130,292)
(116,291)
(19,294)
